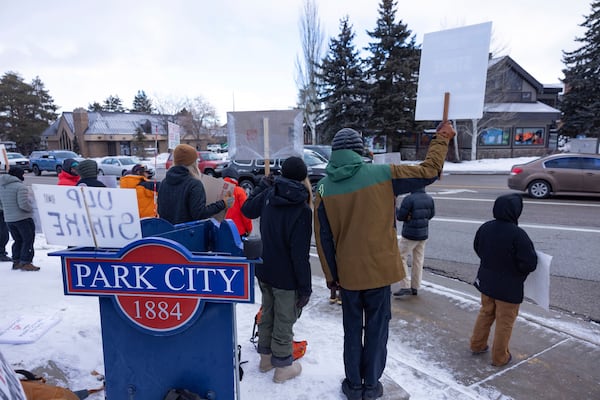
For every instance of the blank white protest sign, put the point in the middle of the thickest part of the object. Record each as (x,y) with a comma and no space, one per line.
(453,61)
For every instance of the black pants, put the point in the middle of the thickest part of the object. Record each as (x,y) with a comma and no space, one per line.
(365,356)
(3,234)
(23,233)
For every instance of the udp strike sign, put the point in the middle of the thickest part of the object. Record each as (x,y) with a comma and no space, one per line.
(88,216)
(157,283)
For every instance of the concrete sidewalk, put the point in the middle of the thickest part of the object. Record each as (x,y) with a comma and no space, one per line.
(555,356)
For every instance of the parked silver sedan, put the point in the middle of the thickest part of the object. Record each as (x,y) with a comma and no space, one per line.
(119,165)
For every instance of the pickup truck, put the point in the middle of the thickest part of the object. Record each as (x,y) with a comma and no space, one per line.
(208,162)
(50,160)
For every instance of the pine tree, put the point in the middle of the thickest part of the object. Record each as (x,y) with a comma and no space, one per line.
(581,101)
(113,103)
(141,103)
(342,91)
(392,71)
(25,111)
(95,107)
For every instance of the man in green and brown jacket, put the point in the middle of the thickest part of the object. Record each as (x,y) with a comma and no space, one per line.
(356,240)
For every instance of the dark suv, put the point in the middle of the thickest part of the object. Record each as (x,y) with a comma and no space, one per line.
(251,171)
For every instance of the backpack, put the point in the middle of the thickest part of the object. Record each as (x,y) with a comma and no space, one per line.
(298,346)
(35,388)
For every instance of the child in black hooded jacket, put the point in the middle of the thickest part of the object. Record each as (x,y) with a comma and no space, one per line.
(507,256)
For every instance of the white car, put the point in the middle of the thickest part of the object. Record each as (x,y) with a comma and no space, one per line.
(17,159)
(119,165)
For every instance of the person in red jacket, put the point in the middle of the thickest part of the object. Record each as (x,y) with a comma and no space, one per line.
(243,224)
(68,176)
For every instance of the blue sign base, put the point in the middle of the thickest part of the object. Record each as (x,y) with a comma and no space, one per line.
(201,358)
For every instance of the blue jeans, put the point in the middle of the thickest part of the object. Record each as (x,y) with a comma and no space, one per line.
(365,355)
(3,234)
(23,233)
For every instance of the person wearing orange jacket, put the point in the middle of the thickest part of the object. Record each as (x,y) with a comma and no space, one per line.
(145,189)
(243,224)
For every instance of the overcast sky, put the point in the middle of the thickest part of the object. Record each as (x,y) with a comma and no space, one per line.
(239,54)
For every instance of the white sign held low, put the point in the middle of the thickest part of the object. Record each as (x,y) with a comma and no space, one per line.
(88,216)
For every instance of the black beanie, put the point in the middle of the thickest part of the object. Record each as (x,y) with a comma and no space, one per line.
(17,172)
(70,166)
(230,172)
(347,139)
(87,169)
(294,168)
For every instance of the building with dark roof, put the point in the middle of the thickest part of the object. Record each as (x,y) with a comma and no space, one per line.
(97,134)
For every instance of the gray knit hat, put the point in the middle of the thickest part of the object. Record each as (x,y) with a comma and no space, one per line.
(87,169)
(347,139)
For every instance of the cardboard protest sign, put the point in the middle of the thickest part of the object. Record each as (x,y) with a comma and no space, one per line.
(174,134)
(537,284)
(3,159)
(453,61)
(256,135)
(28,329)
(88,216)
(216,189)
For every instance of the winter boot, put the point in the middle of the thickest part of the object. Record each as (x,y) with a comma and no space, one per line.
(28,267)
(283,374)
(265,363)
(4,257)
(16,265)
(372,393)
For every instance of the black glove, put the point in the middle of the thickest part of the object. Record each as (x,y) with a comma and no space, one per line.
(302,300)
(268,180)
(333,285)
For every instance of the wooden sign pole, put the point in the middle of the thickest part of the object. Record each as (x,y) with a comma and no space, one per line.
(266,145)
(445,118)
(446,106)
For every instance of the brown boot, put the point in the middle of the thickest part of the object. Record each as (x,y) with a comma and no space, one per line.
(28,267)
(16,265)
(265,363)
(283,374)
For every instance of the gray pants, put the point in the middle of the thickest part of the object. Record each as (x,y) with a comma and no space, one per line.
(276,327)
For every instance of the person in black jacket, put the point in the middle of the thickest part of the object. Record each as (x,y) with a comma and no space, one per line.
(284,277)
(415,210)
(507,256)
(88,174)
(181,196)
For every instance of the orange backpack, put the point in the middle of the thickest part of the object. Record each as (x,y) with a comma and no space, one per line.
(35,388)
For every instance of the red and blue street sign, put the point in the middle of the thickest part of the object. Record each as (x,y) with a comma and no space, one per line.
(157,283)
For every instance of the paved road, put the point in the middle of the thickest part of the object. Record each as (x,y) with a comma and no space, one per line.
(567,228)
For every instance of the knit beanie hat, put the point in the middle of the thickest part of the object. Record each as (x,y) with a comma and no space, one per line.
(347,139)
(70,166)
(230,172)
(294,168)
(17,172)
(87,169)
(138,169)
(184,154)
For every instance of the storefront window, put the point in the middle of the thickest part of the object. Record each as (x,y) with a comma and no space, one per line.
(426,137)
(494,137)
(408,139)
(529,136)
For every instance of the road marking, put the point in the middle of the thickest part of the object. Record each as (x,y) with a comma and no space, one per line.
(537,203)
(535,226)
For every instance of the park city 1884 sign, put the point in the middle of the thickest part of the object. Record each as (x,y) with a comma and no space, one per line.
(157,283)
